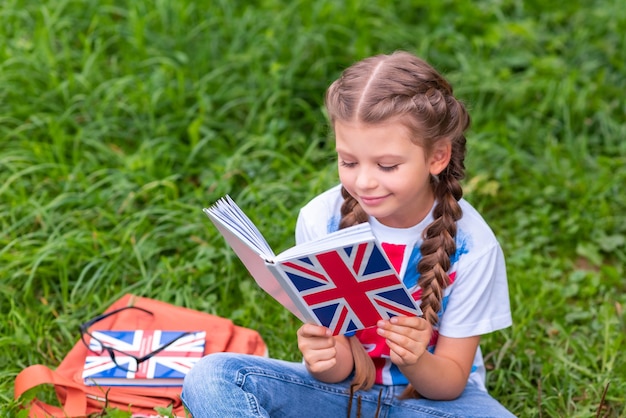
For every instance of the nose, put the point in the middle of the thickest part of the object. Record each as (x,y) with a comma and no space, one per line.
(366,179)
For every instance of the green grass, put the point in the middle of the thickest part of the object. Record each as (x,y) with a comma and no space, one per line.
(119,121)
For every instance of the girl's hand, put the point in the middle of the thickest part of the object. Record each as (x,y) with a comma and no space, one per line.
(318,347)
(407,338)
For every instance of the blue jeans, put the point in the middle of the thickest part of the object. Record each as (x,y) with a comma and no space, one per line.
(229,385)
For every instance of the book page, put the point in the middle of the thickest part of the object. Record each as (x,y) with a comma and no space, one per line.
(226,212)
(252,249)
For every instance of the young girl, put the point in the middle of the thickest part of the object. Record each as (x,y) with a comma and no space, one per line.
(400,147)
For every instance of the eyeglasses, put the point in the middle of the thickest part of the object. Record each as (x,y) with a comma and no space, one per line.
(125,361)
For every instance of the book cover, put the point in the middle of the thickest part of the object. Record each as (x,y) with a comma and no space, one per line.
(166,368)
(343,281)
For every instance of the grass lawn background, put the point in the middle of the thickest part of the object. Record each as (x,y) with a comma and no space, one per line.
(120,120)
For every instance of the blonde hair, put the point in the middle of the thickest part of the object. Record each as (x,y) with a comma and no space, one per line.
(406,88)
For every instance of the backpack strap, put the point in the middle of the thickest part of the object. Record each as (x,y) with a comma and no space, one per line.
(72,396)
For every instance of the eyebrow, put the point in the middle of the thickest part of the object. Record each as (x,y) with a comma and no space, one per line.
(376,157)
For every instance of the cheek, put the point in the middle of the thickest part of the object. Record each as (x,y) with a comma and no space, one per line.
(347,179)
(345,176)
(401,181)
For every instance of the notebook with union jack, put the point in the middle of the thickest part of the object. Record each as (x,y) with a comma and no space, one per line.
(110,366)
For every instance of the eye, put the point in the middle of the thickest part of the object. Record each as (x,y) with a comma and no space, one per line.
(346,164)
(388,167)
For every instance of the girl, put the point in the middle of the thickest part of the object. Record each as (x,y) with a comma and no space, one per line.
(400,145)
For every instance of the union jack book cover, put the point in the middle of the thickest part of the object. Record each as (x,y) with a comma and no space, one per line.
(343,281)
(166,368)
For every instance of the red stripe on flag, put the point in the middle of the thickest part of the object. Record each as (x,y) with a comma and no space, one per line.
(348,287)
(395,308)
(360,253)
(308,271)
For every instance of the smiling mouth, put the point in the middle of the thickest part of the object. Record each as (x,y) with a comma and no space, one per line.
(370,201)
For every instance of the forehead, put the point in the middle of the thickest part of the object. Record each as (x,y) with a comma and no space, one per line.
(383,137)
(392,127)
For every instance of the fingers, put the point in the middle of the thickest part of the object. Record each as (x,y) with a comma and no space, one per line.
(312,330)
(317,346)
(314,337)
(414,322)
(320,361)
(407,338)
(406,352)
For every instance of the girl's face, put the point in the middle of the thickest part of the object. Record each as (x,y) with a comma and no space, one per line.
(387,173)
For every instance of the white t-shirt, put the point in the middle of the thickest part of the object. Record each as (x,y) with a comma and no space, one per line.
(475,303)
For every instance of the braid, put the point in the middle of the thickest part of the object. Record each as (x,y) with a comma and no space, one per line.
(351,212)
(439,245)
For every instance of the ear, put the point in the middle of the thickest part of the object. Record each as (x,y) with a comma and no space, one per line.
(440,157)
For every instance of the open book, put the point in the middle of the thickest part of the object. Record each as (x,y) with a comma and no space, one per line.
(343,280)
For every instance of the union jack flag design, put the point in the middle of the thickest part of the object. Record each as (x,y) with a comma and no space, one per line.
(166,368)
(350,288)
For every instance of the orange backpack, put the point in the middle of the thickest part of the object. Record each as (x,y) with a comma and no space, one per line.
(79,400)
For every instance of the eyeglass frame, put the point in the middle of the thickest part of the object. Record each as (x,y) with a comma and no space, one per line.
(84,330)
